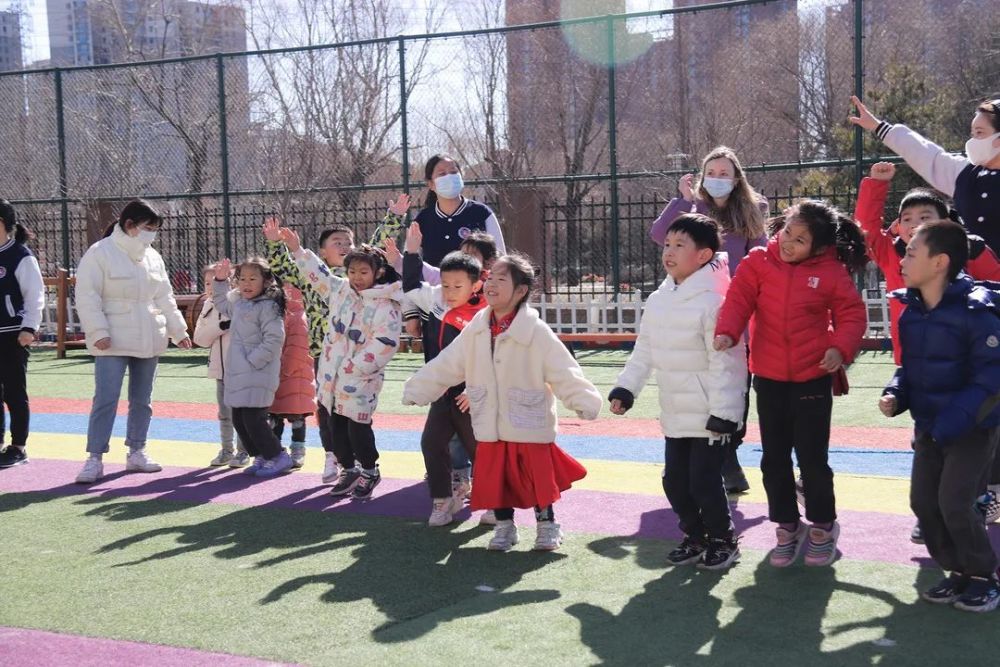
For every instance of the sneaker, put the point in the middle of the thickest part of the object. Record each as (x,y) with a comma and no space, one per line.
(298,454)
(240,460)
(223,458)
(346,481)
(988,505)
(138,461)
(800,492)
(822,549)
(461,486)
(442,512)
(93,470)
(947,590)
(276,466)
(548,536)
(917,535)
(981,595)
(366,484)
(789,545)
(690,550)
(331,469)
(257,464)
(720,554)
(13,456)
(993,512)
(504,536)
(488,518)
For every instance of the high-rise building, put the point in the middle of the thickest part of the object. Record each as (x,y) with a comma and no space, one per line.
(10,41)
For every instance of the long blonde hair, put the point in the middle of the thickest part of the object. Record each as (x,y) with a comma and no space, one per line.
(741,215)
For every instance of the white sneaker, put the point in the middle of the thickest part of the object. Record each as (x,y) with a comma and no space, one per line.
(461,487)
(549,536)
(504,536)
(93,470)
(331,469)
(298,454)
(138,461)
(240,460)
(488,518)
(441,512)
(222,458)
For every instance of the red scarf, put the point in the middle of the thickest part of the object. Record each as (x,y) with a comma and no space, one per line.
(461,316)
(497,327)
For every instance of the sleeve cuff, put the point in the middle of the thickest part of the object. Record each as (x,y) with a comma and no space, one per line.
(719,425)
(623,395)
(881,130)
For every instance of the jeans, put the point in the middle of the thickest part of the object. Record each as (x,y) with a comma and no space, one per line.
(226,431)
(109,372)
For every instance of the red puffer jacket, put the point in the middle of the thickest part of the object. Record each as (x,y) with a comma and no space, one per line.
(296,393)
(794,307)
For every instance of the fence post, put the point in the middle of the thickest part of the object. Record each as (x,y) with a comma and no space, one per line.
(404,138)
(63,185)
(859,137)
(613,157)
(220,69)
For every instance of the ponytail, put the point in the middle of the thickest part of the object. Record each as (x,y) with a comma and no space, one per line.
(20,233)
(851,248)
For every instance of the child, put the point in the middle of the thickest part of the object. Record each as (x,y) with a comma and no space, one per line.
(255,310)
(514,367)
(365,327)
(808,321)
(701,390)
(212,331)
(296,396)
(448,307)
(23,293)
(949,381)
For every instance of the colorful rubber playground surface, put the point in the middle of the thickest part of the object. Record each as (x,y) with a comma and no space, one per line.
(203,566)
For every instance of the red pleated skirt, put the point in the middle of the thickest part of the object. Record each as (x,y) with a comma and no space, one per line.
(523,475)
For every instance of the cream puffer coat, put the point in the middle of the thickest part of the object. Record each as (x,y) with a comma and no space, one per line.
(675,342)
(513,387)
(123,293)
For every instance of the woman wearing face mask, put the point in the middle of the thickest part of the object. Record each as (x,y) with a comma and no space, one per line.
(972,181)
(127,310)
(723,194)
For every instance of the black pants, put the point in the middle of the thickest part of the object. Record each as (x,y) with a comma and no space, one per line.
(943,488)
(353,442)
(14,389)
(254,430)
(692,480)
(444,420)
(994,477)
(541,513)
(796,416)
(323,418)
(298,423)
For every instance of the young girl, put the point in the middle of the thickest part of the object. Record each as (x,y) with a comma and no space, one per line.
(514,367)
(722,193)
(212,331)
(808,321)
(22,293)
(255,310)
(296,396)
(365,316)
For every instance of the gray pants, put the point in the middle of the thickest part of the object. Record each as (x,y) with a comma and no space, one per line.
(226,431)
(944,485)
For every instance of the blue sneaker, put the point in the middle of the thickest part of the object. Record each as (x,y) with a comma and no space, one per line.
(948,590)
(981,595)
(252,469)
(277,465)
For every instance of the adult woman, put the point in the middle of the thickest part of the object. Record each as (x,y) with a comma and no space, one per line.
(127,310)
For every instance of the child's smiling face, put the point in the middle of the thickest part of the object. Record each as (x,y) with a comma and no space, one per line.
(795,242)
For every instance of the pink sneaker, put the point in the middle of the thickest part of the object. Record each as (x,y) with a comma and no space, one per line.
(822,548)
(789,545)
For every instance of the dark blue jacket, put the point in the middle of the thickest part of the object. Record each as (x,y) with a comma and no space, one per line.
(950,376)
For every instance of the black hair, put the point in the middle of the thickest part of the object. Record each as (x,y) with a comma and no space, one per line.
(703,230)
(484,243)
(522,272)
(272,286)
(944,237)
(376,259)
(828,226)
(992,110)
(460,261)
(336,229)
(432,162)
(14,228)
(139,211)
(926,197)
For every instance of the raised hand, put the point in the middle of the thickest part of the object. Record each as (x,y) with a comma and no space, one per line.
(684,185)
(392,253)
(272,228)
(414,238)
(223,269)
(399,207)
(883,171)
(291,239)
(864,119)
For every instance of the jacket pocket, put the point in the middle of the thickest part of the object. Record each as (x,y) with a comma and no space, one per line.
(10,305)
(527,408)
(477,395)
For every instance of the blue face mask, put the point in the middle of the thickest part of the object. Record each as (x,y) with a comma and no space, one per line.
(449,186)
(718,187)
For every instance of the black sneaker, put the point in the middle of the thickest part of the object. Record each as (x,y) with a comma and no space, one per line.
(346,481)
(13,456)
(690,550)
(721,553)
(982,594)
(366,484)
(947,590)
(917,535)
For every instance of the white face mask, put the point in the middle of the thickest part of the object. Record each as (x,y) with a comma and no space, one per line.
(449,186)
(146,237)
(981,151)
(718,187)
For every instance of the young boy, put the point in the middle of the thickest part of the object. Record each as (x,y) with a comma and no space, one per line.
(448,307)
(949,380)
(334,244)
(701,390)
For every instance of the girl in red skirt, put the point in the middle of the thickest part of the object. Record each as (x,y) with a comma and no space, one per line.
(514,367)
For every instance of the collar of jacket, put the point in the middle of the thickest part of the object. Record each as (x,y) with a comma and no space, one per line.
(712,277)
(975,295)
(521,329)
